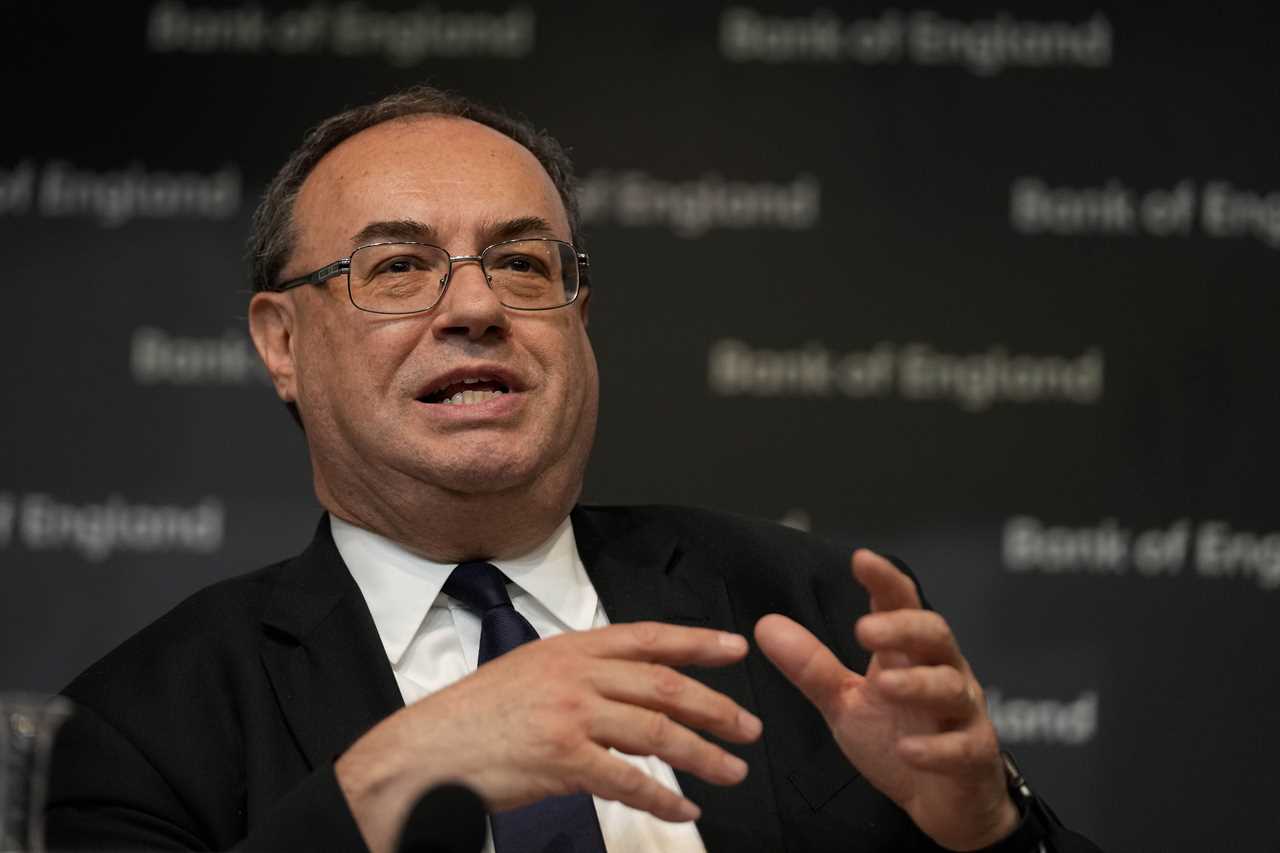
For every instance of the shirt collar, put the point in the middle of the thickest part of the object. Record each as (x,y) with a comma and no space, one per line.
(554,575)
(400,586)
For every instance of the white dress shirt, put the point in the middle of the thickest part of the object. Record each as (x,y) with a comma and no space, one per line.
(432,641)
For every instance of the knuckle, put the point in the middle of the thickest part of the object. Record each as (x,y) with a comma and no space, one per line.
(629,780)
(588,768)
(936,628)
(569,705)
(657,730)
(726,714)
(561,738)
(666,682)
(909,685)
(954,685)
(979,749)
(645,634)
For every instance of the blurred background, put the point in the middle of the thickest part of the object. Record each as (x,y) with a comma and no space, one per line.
(993,290)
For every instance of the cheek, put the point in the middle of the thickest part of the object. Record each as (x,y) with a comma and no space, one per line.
(587,382)
(341,363)
(590,370)
(570,366)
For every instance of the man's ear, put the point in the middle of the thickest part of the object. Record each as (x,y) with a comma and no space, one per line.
(271,318)
(584,299)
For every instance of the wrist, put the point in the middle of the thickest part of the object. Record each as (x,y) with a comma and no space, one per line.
(1034,820)
(379,785)
(1010,817)
(1005,818)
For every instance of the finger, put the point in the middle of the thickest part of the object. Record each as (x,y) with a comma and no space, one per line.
(674,645)
(889,588)
(660,688)
(942,691)
(806,662)
(612,778)
(965,751)
(639,731)
(922,635)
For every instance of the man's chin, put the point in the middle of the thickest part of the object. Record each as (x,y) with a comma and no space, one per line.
(481,474)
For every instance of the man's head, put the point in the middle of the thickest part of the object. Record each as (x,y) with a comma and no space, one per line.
(454,479)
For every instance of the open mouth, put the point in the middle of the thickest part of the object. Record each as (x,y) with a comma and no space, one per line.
(466,392)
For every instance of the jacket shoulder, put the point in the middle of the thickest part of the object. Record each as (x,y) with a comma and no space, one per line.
(210,631)
(737,543)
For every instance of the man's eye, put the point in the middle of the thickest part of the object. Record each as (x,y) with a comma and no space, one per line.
(399,266)
(520,264)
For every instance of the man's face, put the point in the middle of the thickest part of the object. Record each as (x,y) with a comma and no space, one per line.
(369,386)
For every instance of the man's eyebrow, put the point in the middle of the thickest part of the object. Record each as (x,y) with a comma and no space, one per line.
(521,226)
(402,230)
(413,231)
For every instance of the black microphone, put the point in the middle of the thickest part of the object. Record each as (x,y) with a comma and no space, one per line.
(446,819)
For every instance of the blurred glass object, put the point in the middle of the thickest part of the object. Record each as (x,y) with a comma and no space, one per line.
(28,724)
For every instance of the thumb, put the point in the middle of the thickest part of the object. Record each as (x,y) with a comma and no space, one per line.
(806,662)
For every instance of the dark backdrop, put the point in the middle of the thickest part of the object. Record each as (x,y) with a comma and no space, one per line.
(994,291)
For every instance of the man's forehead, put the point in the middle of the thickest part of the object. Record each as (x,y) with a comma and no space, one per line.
(442,161)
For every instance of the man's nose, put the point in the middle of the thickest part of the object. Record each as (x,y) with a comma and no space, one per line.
(469,306)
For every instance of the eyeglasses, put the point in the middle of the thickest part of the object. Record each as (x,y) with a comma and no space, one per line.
(533,274)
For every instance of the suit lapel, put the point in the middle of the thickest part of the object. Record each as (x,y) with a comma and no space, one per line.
(322,653)
(646,572)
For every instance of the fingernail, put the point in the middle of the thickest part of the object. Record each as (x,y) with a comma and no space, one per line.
(688,811)
(735,642)
(735,767)
(749,724)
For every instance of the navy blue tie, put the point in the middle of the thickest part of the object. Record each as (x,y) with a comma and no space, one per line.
(566,824)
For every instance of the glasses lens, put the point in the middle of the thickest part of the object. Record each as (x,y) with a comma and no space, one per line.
(397,278)
(532,274)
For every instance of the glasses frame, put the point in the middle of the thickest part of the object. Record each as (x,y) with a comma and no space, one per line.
(342,266)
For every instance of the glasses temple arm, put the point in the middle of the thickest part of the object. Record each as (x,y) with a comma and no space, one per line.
(320,276)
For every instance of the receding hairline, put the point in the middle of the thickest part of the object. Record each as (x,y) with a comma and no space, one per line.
(404,123)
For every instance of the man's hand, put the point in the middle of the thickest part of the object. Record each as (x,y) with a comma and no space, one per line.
(916,724)
(539,721)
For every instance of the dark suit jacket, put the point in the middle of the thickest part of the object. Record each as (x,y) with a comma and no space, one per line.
(217,726)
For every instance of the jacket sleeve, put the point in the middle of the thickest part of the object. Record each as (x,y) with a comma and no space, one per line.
(107,794)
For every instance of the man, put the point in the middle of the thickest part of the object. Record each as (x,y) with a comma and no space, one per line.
(422,308)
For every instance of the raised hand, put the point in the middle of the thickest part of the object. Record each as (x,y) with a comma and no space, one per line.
(915,725)
(539,721)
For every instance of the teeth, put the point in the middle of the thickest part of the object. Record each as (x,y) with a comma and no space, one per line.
(467,398)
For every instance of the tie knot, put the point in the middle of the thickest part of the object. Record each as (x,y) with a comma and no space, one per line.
(480,586)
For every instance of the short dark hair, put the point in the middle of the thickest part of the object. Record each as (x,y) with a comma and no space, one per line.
(274,237)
